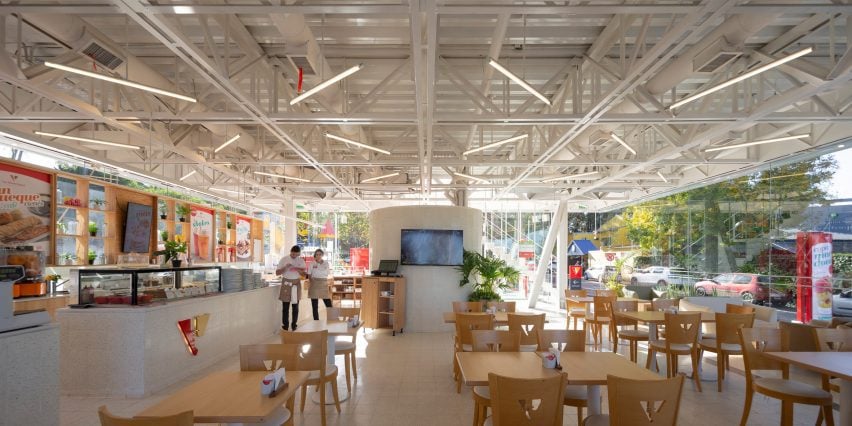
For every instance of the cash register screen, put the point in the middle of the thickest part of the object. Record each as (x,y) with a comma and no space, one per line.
(11,273)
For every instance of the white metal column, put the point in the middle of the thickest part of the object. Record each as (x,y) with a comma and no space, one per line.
(289,224)
(561,260)
(549,242)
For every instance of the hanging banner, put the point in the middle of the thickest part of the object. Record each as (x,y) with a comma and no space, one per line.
(243,238)
(24,208)
(201,227)
(526,249)
(814,270)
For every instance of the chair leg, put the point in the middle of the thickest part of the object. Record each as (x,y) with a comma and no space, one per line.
(348,369)
(749,395)
(475,413)
(335,394)
(579,415)
(651,355)
(820,416)
(829,415)
(720,371)
(304,395)
(321,387)
(354,364)
(786,413)
(696,375)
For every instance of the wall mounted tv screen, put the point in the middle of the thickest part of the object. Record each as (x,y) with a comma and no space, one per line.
(436,247)
(137,228)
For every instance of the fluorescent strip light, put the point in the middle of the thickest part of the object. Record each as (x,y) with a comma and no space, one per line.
(75,138)
(622,142)
(187,175)
(227,142)
(356,143)
(128,83)
(498,143)
(760,142)
(326,83)
(742,77)
(298,179)
(660,174)
(225,190)
(503,70)
(569,177)
(474,178)
(373,179)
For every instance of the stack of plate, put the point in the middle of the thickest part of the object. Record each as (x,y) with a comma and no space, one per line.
(257,281)
(246,276)
(232,280)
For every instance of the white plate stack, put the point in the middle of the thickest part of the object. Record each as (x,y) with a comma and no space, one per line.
(246,276)
(232,280)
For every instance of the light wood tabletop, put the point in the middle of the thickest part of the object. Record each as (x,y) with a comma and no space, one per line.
(227,397)
(475,366)
(591,368)
(335,328)
(501,318)
(837,364)
(656,317)
(591,299)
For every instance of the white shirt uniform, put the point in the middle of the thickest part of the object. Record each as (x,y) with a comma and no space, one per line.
(286,262)
(318,270)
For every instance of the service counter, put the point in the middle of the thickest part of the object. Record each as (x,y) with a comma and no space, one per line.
(135,351)
(29,376)
(50,303)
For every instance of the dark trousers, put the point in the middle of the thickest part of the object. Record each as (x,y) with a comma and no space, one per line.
(315,306)
(285,310)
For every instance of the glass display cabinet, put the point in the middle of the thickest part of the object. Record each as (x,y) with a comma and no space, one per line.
(142,286)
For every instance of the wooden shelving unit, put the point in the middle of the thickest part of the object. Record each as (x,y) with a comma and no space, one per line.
(346,291)
(383,303)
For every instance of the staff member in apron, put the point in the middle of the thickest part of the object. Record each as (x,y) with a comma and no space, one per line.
(291,267)
(318,287)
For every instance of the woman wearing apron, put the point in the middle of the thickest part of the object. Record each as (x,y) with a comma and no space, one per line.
(291,267)
(318,287)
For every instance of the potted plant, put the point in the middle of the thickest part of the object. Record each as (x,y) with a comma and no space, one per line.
(97,203)
(61,228)
(164,235)
(228,224)
(486,274)
(93,229)
(67,258)
(182,212)
(173,249)
(92,257)
(164,212)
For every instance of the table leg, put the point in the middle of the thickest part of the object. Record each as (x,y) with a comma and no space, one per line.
(341,390)
(845,402)
(594,394)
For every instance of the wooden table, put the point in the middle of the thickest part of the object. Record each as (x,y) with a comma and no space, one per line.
(475,366)
(500,318)
(654,318)
(591,369)
(836,364)
(335,328)
(229,397)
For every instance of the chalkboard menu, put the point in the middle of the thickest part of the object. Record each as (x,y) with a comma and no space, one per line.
(137,228)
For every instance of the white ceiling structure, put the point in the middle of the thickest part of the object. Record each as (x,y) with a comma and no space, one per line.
(425,95)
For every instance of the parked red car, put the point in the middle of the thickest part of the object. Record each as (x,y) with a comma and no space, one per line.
(751,287)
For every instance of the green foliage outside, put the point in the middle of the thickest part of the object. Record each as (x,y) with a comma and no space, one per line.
(613,282)
(353,232)
(487,275)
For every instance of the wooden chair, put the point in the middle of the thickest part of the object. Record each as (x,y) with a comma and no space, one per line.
(726,342)
(502,306)
(832,340)
(632,335)
(600,317)
(606,293)
(575,310)
(681,339)
(663,304)
(754,341)
(568,341)
(490,341)
(270,358)
(512,401)
(466,307)
(465,323)
(640,402)
(528,326)
(730,308)
(185,418)
(345,346)
(312,358)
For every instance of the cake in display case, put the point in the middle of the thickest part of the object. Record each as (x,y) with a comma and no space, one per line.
(146,285)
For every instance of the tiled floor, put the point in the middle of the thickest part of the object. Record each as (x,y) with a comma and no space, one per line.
(406,380)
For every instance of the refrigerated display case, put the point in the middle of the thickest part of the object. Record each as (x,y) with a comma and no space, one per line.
(143,286)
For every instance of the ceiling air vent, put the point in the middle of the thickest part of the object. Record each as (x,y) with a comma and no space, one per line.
(101,55)
(300,61)
(715,56)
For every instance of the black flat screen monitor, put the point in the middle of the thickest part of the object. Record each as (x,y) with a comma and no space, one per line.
(433,247)
(388,266)
(137,228)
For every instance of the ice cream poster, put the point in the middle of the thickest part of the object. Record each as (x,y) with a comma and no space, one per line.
(24,207)
(243,238)
(201,227)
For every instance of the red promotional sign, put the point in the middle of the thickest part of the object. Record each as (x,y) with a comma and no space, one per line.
(185,327)
(359,257)
(575,272)
(814,273)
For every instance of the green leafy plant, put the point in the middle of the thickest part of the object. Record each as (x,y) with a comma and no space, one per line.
(68,258)
(613,281)
(487,275)
(173,248)
(61,228)
(164,235)
(93,228)
(164,212)
(183,212)
(92,257)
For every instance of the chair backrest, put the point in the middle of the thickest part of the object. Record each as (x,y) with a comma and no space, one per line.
(575,293)
(528,326)
(562,340)
(313,348)
(468,306)
(526,402)
(834,339)
(606,293)
(728,326)
(496,340)
(797,337)
(730,308)
(643,402)
(185,418)
(603,306)
(502,306)
(682,327)
(269,357)
(664,304)
(754,342)
(625,306)
(465,323)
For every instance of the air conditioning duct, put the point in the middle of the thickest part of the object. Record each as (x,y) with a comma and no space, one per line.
(715,56)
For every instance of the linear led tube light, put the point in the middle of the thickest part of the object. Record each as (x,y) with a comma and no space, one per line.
(373,179)
(325,84)
(498,143)
(298,179)
(356,143)
(742,77)
(226,143)
(660,174)
(759,142)
(75,138)
(122,82)
(187,175)
(225,190)
(569,177)
(473,178)
(622,142)
(503,70)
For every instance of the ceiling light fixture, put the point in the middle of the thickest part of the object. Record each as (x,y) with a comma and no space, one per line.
(75,138)
(742,77)
(187,175)
(326,83)
(660,174)
(498,143)
(503,70)
(227,142)
(297,179)
(569,177)
(122,82)
(373,179)
(225,190)
(622,142)
(356,143)
(759,142)
(473,178)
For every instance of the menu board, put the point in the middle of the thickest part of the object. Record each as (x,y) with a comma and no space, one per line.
(137,228)
(243,238)
(201,227)
(24,207)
